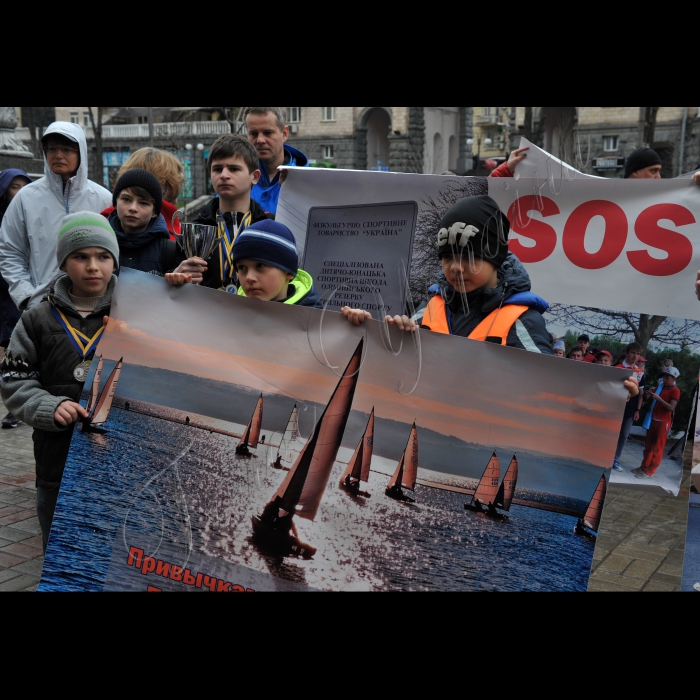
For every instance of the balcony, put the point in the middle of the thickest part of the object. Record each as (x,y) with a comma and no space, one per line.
(140,131)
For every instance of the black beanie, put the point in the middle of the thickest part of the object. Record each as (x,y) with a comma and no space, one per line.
(476,223)
(143,179)
(639,159)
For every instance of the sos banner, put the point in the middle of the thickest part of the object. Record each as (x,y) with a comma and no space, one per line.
(633,245)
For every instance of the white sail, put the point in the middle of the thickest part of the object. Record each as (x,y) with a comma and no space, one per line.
(256,424)
(361,460)
(595,508)
(95,386)
(407,469)
(286,451)
(292,431)
(488,486)
(104,402)
(507,490)
(252,432)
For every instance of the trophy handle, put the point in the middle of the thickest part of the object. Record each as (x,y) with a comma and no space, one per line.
(177,229)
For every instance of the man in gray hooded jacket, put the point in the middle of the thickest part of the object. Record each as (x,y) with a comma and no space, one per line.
(31,223)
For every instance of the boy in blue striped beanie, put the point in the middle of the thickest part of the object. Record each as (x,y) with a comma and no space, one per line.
(266,262)
(267,265)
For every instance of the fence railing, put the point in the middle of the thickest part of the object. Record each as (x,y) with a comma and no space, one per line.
(140,131)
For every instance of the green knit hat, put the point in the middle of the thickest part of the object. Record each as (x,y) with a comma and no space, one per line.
(85,229)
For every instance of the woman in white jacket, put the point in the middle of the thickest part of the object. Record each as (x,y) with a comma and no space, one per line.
(31,223)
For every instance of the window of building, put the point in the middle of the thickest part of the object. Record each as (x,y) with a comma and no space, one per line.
(86,119)
(328,114)
(293,115)
(328,152)
(73,117)
(487,111)
(610,143)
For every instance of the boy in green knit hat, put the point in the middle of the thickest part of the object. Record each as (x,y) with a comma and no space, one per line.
(50,351)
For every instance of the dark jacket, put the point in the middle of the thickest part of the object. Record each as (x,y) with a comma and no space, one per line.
(467,311)
(212,277)
(37,374)
(267,190)
(148,251)
(167,211)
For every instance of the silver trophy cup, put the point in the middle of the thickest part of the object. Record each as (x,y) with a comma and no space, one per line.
(196,240)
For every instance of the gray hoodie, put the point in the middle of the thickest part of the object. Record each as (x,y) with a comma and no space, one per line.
(30,227)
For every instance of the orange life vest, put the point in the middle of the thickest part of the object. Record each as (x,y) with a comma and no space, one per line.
(494,328)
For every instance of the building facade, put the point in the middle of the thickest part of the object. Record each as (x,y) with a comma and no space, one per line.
(398,139)
(435,140)
(596,140)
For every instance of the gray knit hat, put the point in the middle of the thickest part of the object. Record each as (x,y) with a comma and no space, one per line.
(85,229)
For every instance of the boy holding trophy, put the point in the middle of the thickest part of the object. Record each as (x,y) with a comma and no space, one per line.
(233,167)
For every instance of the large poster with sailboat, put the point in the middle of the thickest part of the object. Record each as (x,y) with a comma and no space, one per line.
(253,446)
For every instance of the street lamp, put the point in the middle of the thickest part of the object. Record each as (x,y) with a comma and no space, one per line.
(470,143)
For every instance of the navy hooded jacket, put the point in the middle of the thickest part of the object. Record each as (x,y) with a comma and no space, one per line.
(149,251)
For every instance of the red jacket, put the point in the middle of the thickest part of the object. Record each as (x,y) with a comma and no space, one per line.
(167,210)
(501,171)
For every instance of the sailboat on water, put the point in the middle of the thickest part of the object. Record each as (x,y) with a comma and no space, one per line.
(252,432)
(100,402)
(301,491)
(406,471)
(589,524)
(504,497)
(284,451)
(358,466)
(489,496)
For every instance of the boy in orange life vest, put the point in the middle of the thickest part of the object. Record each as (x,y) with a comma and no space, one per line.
(661,418)
(483,292)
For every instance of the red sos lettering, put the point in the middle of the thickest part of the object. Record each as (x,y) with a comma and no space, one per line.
(544,236)
(676,246)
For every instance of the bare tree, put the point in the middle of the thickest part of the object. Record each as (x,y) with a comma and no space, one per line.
(234,116)
(36,119)
(647,126)
(538,129)
(527,124)
(619,325)
(425,265)
(97,135)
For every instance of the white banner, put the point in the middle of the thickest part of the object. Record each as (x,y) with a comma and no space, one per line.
(631,245)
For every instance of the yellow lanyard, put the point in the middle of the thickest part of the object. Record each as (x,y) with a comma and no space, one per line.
(226,266)
(82,343)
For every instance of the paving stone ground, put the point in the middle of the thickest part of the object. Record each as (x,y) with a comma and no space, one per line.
(641,540)
(640,543)
(21,557)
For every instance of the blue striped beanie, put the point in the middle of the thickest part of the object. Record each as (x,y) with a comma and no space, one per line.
(269,242)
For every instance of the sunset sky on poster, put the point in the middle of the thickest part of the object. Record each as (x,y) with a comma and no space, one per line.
(476,392)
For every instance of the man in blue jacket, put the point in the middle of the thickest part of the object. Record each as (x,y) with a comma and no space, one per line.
(268,132)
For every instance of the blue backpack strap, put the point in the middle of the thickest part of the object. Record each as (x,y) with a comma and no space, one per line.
(528,299)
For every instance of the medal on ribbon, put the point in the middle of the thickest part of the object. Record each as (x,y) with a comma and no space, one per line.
(83,344)
(81,371)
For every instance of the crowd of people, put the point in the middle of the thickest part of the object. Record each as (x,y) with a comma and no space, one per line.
(64,239)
